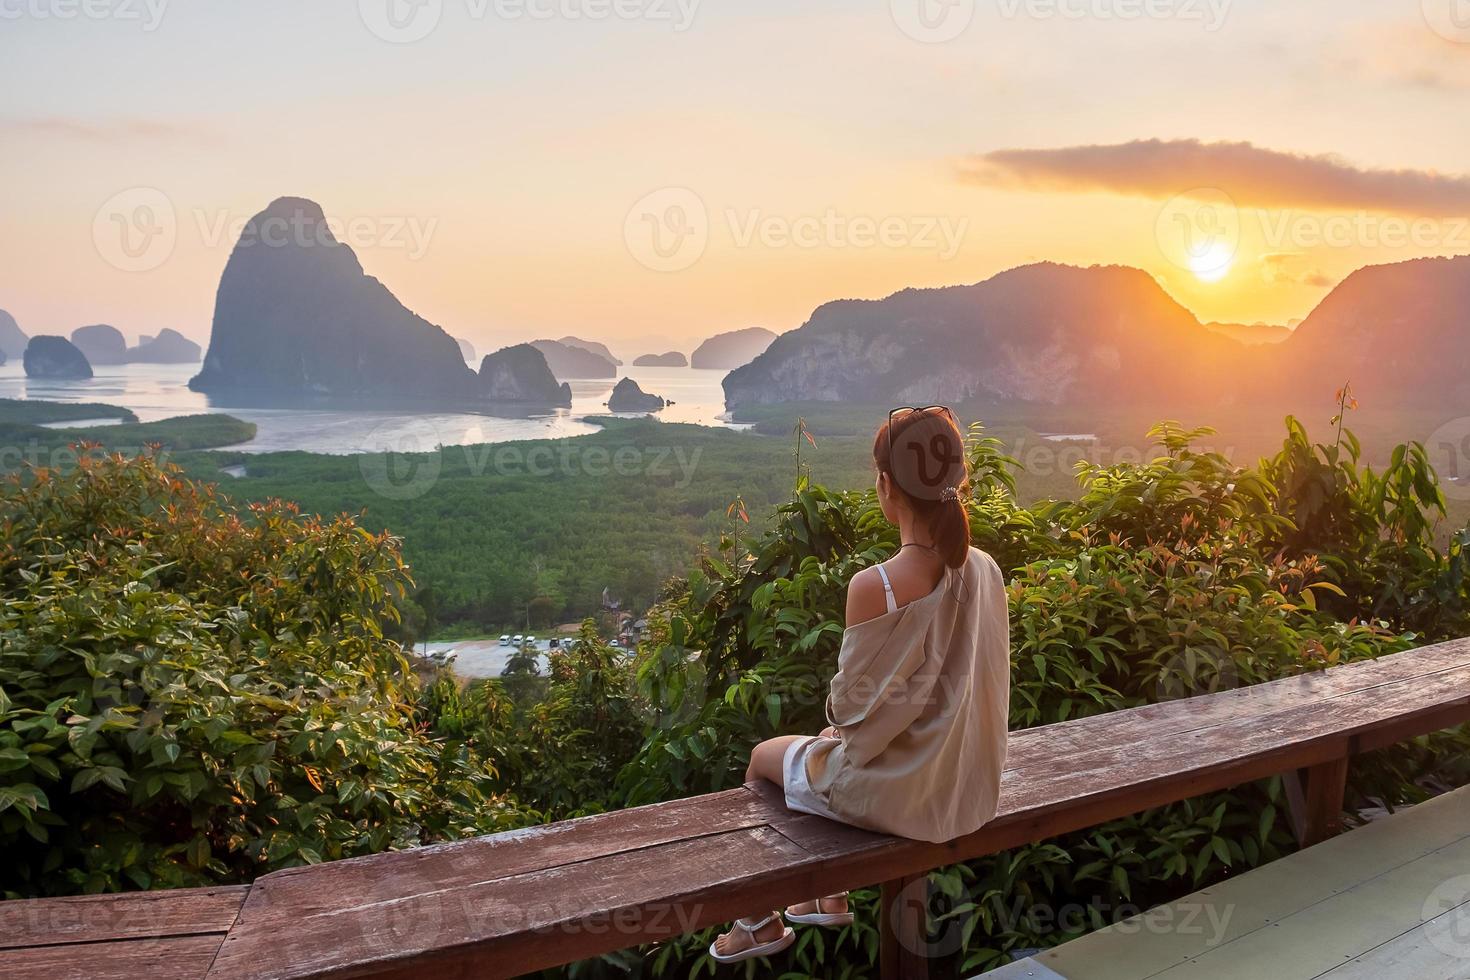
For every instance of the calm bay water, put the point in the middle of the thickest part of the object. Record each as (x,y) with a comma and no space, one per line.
(159,391)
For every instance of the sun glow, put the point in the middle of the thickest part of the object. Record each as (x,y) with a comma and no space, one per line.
(1213,263)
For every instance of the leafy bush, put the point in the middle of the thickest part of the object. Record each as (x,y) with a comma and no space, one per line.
(193,695)
(1179,576)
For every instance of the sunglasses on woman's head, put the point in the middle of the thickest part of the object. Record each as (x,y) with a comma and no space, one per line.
(904,411)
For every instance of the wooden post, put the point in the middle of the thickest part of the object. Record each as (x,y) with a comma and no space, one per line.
(903,928)
(1315,795)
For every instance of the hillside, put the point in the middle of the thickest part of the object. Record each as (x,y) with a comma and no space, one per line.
(1042,334)
(1398,332)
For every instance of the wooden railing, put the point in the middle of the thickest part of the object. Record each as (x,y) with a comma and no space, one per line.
(512,903)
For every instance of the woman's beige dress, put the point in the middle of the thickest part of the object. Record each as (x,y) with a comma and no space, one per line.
(920,703)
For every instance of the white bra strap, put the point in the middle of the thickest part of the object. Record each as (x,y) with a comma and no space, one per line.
(887,588)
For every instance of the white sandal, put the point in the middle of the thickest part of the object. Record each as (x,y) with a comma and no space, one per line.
(831,920)
(764,949)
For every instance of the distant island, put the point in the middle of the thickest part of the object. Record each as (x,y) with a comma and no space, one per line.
(105,344)
(627,396)
(672,359)
(55,358)
(591,345)
(296,315)
(12,340)
(574,361)
(727,351)
(167,347)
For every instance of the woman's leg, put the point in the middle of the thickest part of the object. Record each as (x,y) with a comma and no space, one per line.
(768,762)
(768,759)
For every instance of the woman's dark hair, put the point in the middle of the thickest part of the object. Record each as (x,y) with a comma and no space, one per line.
(923,453)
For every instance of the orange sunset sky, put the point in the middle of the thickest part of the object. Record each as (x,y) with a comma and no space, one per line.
(649,172)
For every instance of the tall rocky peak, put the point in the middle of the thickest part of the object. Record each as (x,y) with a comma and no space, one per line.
(296,313)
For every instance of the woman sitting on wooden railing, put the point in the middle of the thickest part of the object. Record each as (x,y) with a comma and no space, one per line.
(919,704)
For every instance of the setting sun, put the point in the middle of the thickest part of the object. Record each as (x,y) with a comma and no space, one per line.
(1213,263)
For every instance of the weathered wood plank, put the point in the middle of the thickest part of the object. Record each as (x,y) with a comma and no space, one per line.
(174,958)
(1046,744)
(481,859)
(509,926)
(96,918)
(293,926)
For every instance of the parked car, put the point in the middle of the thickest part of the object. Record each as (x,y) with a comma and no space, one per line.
(555,643)
(505,639)
(518,639)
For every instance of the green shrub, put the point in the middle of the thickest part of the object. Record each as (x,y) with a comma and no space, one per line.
(193,695)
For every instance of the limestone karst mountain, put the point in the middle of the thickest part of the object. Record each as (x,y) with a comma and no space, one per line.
(102,343)
(520,374)
(628,396)
(55,358)
(727,351)
(12,340)
(672,359)
(296,315)
(168,346)
(571,361)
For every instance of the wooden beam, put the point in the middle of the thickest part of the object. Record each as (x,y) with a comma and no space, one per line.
(903,928)
(1322,789)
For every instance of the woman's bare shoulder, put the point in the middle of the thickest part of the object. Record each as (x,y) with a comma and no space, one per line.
(865,599)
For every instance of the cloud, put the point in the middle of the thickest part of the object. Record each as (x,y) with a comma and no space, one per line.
(116,132)
(1251,175)
(1286,267)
